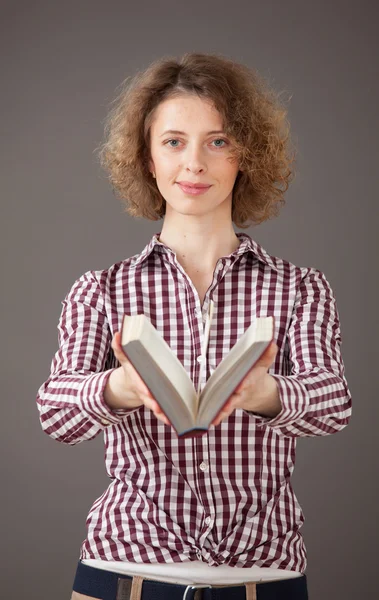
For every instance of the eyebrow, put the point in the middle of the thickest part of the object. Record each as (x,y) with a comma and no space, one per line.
(177,132)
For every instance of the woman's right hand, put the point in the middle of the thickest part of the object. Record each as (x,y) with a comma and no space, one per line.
(129,390)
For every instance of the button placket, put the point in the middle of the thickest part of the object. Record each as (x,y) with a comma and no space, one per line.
(208,500)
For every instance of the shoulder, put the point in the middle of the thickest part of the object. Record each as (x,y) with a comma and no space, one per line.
(282,267)
(96,283)
(291,277)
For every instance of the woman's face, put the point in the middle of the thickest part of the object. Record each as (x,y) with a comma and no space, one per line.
(187,144)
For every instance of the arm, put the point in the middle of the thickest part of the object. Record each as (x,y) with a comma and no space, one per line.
(71,401)
(314,397)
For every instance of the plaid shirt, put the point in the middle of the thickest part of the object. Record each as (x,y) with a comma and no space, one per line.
(225,497)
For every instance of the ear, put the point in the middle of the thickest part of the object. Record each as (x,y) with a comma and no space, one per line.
(151,166)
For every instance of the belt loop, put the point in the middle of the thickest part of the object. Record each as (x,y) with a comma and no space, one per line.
(136,593)
(129,590)
(251,590)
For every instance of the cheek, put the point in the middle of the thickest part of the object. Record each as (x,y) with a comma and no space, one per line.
(228,172)
(168,167)
(226,164)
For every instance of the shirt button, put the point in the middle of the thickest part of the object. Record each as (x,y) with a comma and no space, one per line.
(198,312)
(199,359)
(105,422)
(207,520)
(204,466)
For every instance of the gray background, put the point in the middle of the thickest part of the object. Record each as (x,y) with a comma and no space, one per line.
(61,65)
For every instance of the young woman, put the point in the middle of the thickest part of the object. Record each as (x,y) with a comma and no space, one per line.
(203,143)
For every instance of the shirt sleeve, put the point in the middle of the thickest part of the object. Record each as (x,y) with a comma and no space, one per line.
(315,397)
(71,401)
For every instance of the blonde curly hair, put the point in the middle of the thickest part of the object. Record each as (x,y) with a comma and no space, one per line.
(252,115)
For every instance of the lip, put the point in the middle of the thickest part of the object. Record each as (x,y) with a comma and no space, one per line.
(193,190)
(198,186)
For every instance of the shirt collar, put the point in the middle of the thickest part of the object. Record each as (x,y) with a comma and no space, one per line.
(247,245)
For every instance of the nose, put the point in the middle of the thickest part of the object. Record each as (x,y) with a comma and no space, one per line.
(195,160)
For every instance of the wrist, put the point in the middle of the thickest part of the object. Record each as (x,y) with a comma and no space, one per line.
(117,393)
(268,403)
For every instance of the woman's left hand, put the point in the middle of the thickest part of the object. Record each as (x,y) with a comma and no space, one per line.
(257,391)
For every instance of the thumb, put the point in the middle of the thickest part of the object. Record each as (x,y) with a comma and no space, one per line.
(268,355)
(117,348)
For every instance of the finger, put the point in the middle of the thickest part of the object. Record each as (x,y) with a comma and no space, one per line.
(222,415)
(220,418)
(155,408)
(148,402)
(240,386)
(163,418)
(143,390)
(152,404)
(226,411)
(228,405)
(159,413)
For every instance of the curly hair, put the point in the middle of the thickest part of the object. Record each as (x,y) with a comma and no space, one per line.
(252,115)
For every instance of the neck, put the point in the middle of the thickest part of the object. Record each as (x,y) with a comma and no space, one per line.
(198,246)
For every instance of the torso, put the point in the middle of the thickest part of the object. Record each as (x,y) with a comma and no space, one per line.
(201,283)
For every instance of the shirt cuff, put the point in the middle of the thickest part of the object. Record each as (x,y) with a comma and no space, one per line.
(91,400)
(294,398)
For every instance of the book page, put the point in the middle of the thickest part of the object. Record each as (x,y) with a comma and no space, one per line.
(221,391)
(236,364)
(157,348)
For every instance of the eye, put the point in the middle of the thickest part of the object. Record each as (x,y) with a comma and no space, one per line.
(172,140)
(220,140)
(174,143)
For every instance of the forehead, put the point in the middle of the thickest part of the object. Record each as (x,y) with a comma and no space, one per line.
(181,111)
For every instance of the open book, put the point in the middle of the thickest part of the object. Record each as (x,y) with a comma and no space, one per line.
(189,411)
